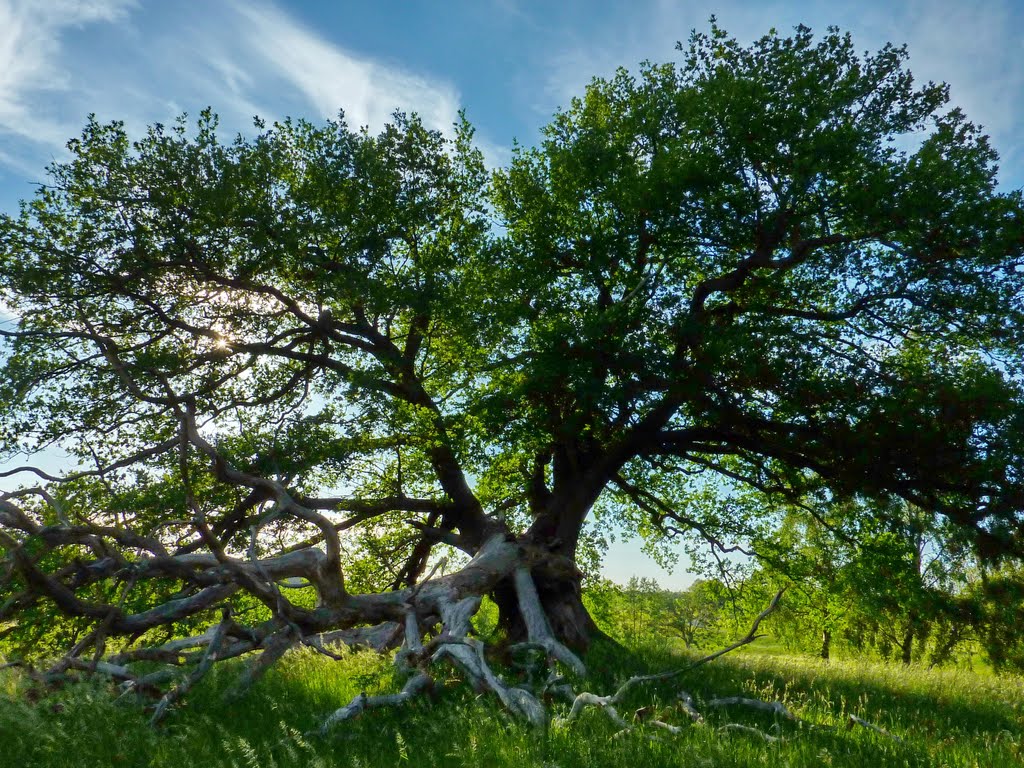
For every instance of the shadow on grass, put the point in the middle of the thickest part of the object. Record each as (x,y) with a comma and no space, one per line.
(910,695)
(942,718)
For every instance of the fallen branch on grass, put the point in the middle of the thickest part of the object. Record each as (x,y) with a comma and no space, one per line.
(775,707)
(608,703)
(853,720)
(751,730)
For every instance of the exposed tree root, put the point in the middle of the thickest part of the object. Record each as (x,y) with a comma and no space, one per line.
(204,666)
(777,708)
(853,720)
(414,686)
(468,656)
(751,730)
(538,630)
(444,605)
(608,704)
(686,705)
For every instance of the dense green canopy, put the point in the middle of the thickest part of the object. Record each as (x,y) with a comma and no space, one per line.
(783,270)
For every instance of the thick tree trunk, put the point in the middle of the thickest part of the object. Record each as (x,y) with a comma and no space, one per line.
(908,644)
(826,643)
(561,597)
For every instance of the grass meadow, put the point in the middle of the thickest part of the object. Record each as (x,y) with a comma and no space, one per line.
(941,718)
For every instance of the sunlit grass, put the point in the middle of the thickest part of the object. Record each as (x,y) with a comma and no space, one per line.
(943,717)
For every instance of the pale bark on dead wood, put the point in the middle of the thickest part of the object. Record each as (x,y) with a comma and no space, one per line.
(378,621)
(608,703)
(467,654)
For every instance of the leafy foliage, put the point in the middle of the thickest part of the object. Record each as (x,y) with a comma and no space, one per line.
(759,278)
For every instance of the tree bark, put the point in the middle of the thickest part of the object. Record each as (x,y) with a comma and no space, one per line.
(908,644)
(826,643)
(561,597)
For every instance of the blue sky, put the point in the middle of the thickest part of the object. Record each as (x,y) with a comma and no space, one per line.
(509,63)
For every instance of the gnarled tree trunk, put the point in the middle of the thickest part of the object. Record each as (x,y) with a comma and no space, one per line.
(562,599)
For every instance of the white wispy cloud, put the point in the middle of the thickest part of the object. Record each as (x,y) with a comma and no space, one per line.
(30,60)
(241,58)
(331,78)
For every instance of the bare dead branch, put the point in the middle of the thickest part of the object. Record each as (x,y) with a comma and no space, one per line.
(204,666)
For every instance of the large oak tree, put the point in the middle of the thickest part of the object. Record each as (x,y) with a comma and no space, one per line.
(313,355)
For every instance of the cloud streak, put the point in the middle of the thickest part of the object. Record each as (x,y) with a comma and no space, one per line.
(240,58)
(30,62)
(331,78)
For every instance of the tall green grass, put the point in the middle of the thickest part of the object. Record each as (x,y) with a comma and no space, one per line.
(943,717)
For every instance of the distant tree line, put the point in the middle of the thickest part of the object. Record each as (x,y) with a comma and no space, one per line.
(907,590)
